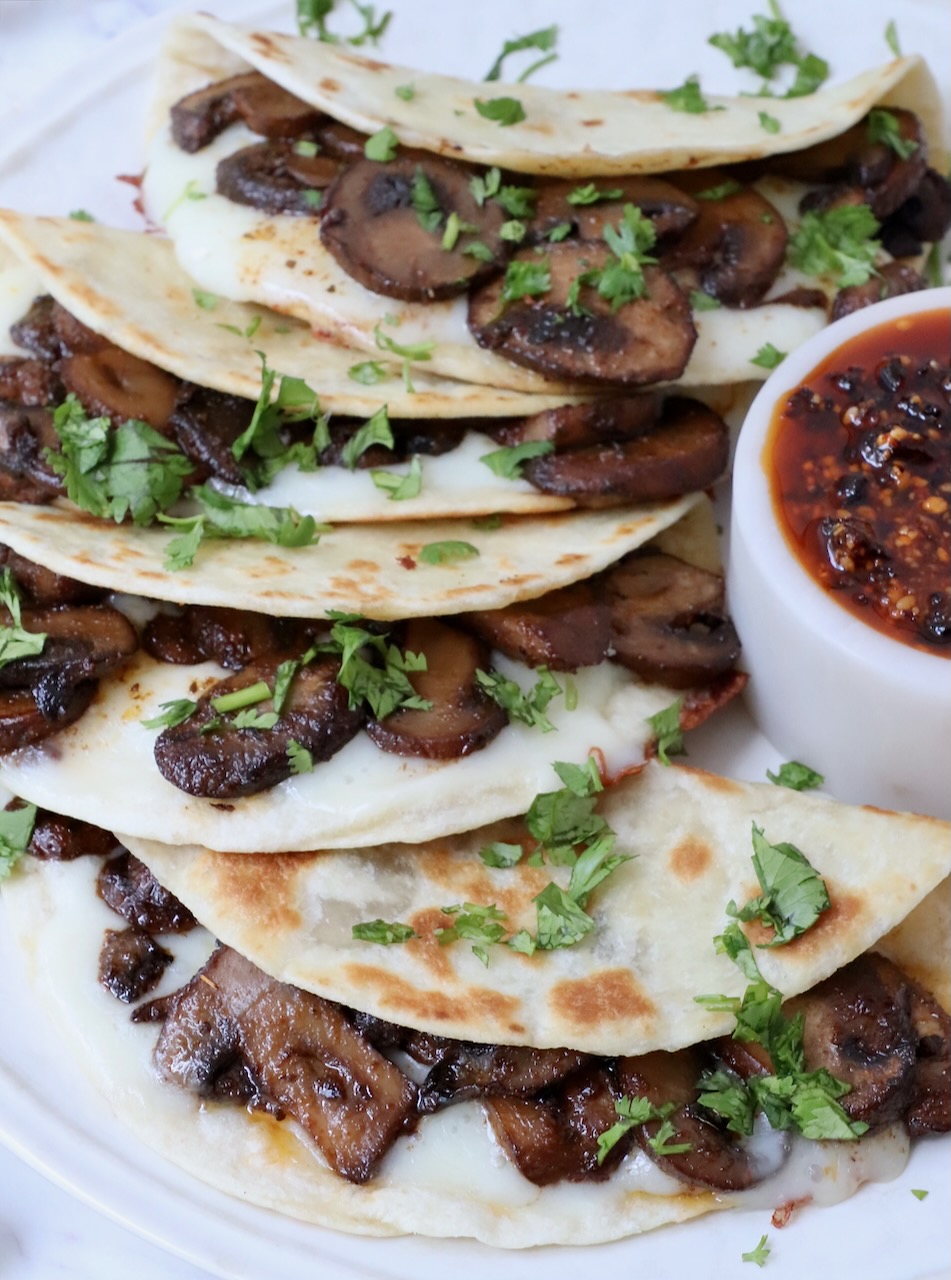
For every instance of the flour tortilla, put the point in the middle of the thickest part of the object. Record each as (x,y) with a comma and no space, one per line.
(279,260)
(451,1182)
(631,982)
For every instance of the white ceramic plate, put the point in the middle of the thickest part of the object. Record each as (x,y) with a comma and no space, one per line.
(63,153)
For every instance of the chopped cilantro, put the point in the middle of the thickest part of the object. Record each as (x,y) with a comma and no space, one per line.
(666,728)
(919,1194)
(238,699)
(190,192)
(528,278)
(368,373)
(446,552)
(114,472)
(795,776)
(838,243)
(295,402)
(455,227)
(499,854)
(16,831)
(371,669)
(933,268)
(528,708)
(405,91)
(883,126)
(173,713)
(794,894)
(688,97)
(301,759)
(891,38)
(424,200)
(400,487)
(720,192)
(504,111)
(508,462)
(561,920)
(312,18)
(633,1111)
(768,356)
(81,215)
(382,931)
(382,145)
(661,1141)
(207,301)
(589,194)
(375,430)
(410,351)
(759,1254)
(306,147)
(769,123)
(224,517)
(544,40)
(621,279)
(769,47)
(513,231)
(481,925)
(15,641)
(701,301)
(490,522)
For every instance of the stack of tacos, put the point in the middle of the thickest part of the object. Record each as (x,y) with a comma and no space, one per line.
(355,604)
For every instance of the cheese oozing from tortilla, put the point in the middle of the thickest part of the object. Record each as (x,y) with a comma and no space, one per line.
(104,765)
(278,260)
(450,1179)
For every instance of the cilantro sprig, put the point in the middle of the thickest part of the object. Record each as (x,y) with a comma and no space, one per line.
(544,41)
(312,18)
(837,243)
(15,641)
(770,47)
(793,896)
(224,517)
(16,831)
(527,708)
(372,668)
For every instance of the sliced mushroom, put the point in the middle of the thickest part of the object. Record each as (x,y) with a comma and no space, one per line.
(644,341)
(36,331)
(462,718)
(339,140)
(43,586)
(210,756)
(85,641)
(372,223)
(75,338)
(893,279)
(858,1026)
(59,839)
(131,963)
(349,1100)
(32,383)
(555,1138)
(25,435)
(271,176)
(715,1157)
(266,108)
(206,424)
(127,886)
(687,450)
(121,386)
(468,1070)
(924,217)
(737,243)
(231,637)
(930,1108)
(668,622)
(27,716)
(574,426)
(563,629)
(669,209)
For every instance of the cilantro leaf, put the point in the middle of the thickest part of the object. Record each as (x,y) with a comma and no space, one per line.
(368,372)
(589,194)
(382,931)
(302,761)
(769,123)
(545,41)
(526,279)
(660,1142)
(16,831)
(594,864)
(473,923)
(768,356)
(224,517)
(405,91)
(701,301)
(919,1194)
(688,97)
(883,127)
(400,487)
(81,215)
(446,552)
(173,713)
(382,145)
(621,279)
(263,437)
(727,1096)
(504,111)
(759,1254)
(838,243)
(508,462)
(425,201)
(722,189)
(891,38)
(665,726)
(372,670)
(375,430)
(499,854)
(312,18)
(411,351)
(15,641)
(769,47)
(794,894)
(795,776)
(561,921)
(528,708)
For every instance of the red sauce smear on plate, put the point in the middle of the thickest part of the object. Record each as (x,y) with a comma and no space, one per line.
(860,474)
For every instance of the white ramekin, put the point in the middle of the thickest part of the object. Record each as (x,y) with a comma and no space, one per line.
(870,713)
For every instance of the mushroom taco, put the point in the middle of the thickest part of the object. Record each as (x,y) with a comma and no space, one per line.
(597,239)
(588,1118)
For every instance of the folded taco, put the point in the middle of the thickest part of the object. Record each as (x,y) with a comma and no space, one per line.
(559,1085)
(588,239)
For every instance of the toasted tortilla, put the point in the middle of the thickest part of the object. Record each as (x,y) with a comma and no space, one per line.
(279,260)
(450,1180)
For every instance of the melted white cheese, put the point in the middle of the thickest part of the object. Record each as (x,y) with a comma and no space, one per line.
(243,254)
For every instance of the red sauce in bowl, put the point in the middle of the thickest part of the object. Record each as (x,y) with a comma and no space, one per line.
(860,473)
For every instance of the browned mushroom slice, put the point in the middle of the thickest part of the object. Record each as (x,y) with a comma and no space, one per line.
(27,716)
(715,1157)
(130,963)
(43,586)
(231,637)
(556,1138)
(271,177)
(858,1026)
(563,629)
(573,426)
(265,107)
(462,718)
(91,639)
(127,886)
(350,1100)
(924,217)
(893,279)
(25,435)
(737,243)
(930,1108)
(36,332)
(205,425)
(211,756)
(59,839)
(32,383)
(668,621)
(644,341)
(468,1070)
(339,140)
(430,438)
(74,336)
(688,450)
(121,386)
(669,209)
(373,224)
